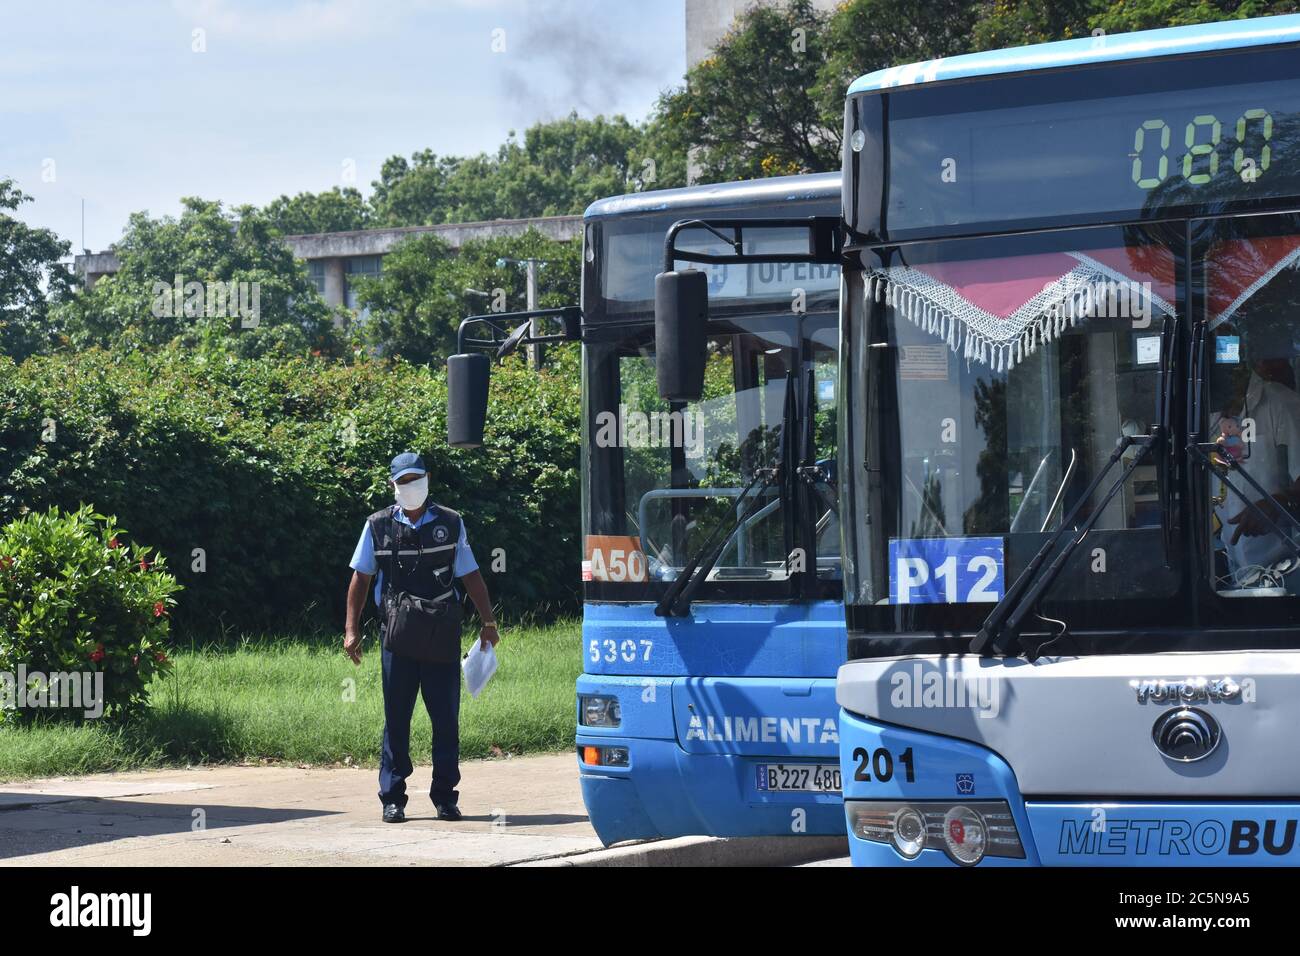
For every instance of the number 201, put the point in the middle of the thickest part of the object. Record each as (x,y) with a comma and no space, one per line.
(882,764)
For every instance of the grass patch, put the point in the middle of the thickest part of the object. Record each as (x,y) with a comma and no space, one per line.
(286,700)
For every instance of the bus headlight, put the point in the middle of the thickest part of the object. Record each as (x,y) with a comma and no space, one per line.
(966,831)
(909,832)
(964,835)
(600,711)
(603,756)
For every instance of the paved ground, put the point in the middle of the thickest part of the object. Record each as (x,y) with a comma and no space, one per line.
(516,809)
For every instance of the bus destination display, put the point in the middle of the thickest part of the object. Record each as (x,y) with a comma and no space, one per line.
(1115,155)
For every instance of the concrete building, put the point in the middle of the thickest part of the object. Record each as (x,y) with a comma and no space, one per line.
(332,257)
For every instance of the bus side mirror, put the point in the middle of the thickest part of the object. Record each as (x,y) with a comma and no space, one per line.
(467,398)
(681,333)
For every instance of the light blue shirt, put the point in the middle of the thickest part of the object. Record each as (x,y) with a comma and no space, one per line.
(364,560)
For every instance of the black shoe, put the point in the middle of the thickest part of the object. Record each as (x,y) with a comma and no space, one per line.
(448,811)
(394,814)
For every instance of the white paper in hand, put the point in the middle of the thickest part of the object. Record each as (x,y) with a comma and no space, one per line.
(479,665)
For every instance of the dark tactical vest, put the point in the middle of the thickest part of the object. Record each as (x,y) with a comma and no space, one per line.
(420,560)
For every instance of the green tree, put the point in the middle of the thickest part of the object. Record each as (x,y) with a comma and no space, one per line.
(30,276)
(1123,17)
(429,189)
(868,35)
(660,160)
(558,169)
(750,110)
(417,303)
(211,279)
(336,210)
(564,165)
(1008,23)
(412,303)
(770,99)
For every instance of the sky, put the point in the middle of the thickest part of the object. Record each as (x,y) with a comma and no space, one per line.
(131,105)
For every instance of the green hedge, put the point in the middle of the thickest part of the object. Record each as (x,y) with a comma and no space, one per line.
(270,467)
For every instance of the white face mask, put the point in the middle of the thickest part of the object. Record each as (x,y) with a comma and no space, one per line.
(412,495)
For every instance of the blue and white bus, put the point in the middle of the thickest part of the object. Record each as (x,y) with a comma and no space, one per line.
(712,618)
(1070,453)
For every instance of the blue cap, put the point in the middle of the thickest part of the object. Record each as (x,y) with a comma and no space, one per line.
(407,463)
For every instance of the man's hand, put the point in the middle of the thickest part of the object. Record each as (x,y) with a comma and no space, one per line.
(352,647)
(477,590)
(1251,524)
(357,589)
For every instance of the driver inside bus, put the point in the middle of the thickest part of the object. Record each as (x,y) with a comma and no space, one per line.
(1259,427)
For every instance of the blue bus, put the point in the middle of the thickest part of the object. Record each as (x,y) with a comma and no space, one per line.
(713,624)
(1069,453)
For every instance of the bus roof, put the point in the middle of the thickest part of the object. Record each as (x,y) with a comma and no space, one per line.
(777,189)
(1171,41)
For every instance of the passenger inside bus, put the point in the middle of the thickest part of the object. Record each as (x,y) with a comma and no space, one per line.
(1257,426)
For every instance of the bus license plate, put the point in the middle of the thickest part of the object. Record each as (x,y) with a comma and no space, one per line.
(799,777)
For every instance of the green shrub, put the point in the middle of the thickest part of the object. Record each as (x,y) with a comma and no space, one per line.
(75,597)
(254,476)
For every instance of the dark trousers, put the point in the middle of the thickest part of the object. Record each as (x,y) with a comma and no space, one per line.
(439,684)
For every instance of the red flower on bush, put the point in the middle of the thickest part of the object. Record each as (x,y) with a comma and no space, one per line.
(160,657)
(107,593)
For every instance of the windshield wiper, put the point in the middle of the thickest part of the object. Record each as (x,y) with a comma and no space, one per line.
(1204,454)
(676,601)
(1005,619)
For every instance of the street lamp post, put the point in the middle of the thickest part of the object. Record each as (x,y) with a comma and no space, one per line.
(534,325)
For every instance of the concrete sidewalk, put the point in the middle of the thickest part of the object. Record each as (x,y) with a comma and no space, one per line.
(516,809)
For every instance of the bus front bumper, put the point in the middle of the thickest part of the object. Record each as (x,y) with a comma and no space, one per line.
(965,799)
(666,792)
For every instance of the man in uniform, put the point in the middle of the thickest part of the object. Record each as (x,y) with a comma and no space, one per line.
(426,570)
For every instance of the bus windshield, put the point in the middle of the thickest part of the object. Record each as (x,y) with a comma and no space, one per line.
(659,479)
(1026,253)
(996,378)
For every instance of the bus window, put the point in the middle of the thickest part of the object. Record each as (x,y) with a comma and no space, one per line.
(822,350)
(1252,355)
(678,472)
